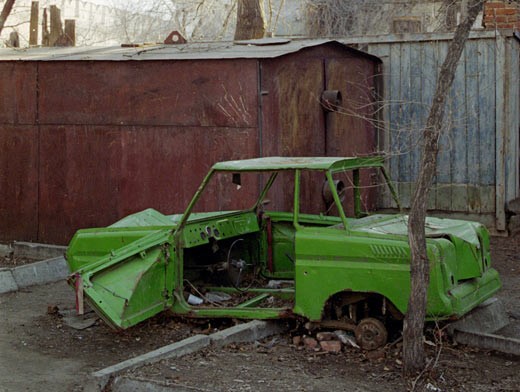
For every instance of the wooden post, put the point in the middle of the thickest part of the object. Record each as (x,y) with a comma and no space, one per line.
(45,30)
(250,20)
(56,26)
(70,32)
(33,27)
(14,40)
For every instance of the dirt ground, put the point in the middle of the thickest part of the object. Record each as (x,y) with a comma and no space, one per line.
(40,351)
(277,365)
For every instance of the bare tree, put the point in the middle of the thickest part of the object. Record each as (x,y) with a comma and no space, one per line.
(413,348)
(327,18)
(8,6)
(250,20)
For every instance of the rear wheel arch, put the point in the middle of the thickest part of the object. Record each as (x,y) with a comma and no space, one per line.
(356,305)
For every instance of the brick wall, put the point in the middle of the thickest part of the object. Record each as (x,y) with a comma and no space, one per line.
(502,15)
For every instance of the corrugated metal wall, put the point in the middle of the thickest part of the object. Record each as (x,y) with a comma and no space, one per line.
(477,170)
(85,143)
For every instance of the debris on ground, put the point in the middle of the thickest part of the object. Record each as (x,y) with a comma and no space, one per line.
(31,325)
(11,261)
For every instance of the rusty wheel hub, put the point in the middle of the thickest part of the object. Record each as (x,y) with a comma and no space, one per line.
(371,334)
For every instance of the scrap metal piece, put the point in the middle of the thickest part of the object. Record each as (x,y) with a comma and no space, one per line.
(331,100)
(175,38)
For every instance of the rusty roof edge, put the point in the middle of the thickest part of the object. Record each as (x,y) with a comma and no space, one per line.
(190,51)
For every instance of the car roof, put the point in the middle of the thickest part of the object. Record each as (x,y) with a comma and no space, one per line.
(302,163)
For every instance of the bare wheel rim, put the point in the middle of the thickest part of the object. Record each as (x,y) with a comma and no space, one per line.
(371,334)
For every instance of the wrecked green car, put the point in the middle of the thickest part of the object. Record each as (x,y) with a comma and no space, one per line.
(290,237)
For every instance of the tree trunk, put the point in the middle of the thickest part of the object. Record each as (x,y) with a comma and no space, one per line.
(8,6)
(250,20)
(413,348)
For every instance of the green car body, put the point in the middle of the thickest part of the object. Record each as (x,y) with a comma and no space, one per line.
(325,267)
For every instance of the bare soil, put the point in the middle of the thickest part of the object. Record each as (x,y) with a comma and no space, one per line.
(40,351)
(282,367)
(278,365)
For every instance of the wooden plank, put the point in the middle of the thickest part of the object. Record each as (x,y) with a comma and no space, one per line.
(487,112)
(459,195)
(45,28)
(416,110)
(502,114)
(405,124)
(481,199)
(473,58)
(422,37)
(487,198)
(429,78)
(33,24)
(405,193)
(394,110)
(443,192)
(474,202)
(56,25)
(383,121)
(384,140)
(458,133)
(513,108)
(69,38)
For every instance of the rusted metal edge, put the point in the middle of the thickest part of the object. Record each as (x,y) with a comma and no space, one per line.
(488,341)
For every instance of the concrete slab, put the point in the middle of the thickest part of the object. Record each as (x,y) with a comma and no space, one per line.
(37,251)
(101,378)
(487,327)
(7,282)
(41,272)
(488,317)
(248,332)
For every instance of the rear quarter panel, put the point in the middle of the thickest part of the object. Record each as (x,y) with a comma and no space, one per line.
(329,261)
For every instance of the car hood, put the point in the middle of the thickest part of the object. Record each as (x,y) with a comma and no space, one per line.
(152,218)
(434,227)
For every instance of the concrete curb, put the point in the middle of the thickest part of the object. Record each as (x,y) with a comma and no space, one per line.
(41,272)
(46,271)
(488,317)
(7,282)
(32,250)
(488,341)
(248,332)
(101,378)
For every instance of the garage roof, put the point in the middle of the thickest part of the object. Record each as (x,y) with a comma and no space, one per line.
(263,48)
